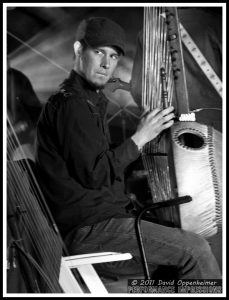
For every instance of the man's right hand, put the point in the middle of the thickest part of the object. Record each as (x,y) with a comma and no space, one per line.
(152,125)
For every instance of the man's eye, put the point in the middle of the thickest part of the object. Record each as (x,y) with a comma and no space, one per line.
(115,56)
(98,51)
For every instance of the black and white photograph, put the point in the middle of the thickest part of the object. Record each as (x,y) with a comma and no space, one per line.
(114,149)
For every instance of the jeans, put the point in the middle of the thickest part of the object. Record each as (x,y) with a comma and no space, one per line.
(189,253)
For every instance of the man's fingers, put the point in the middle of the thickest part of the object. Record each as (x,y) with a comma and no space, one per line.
(168,117)
(158,110)
(161,115)
(153,113)
(168,124)
(167,110)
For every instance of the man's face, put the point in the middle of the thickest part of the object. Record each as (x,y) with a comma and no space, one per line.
(98,64)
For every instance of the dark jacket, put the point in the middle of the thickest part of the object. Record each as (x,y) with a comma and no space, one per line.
(80,175)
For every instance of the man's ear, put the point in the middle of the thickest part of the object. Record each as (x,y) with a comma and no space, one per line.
(77,48)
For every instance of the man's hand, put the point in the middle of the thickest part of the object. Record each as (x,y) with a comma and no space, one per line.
(152,125)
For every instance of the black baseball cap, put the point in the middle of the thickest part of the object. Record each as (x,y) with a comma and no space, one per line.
(100,31)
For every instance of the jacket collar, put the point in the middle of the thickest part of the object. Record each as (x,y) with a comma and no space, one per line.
(77,84)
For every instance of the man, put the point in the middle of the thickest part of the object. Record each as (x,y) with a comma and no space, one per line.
(82,176)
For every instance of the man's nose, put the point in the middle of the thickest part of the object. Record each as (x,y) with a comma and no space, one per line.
(105,62)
